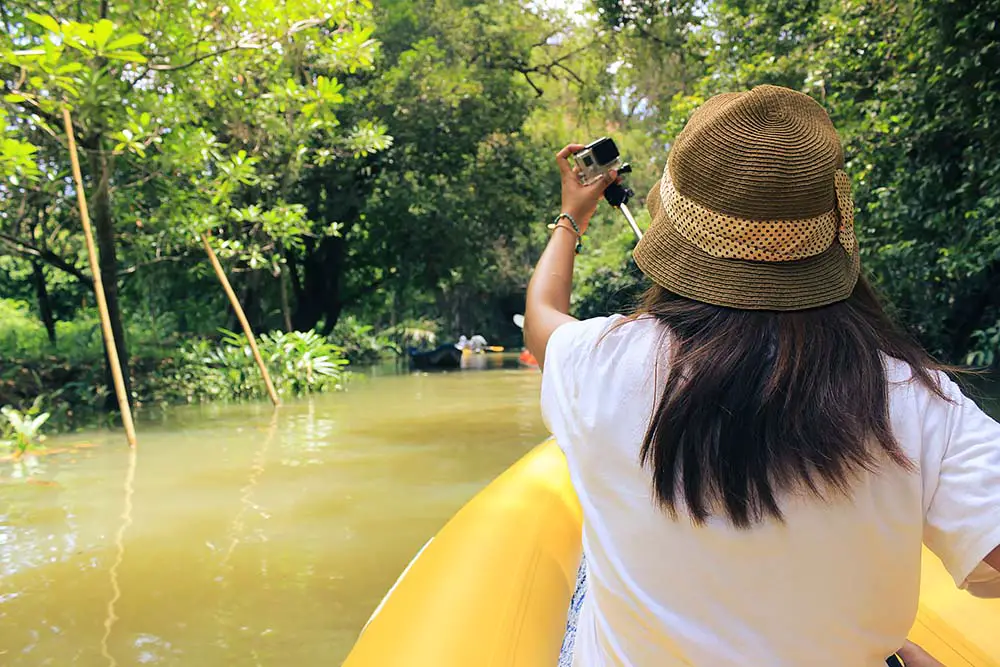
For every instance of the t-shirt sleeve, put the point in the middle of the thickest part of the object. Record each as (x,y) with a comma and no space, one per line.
(563,371)
(962,520)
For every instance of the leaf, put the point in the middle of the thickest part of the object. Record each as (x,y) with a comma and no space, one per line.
(45,21)
(37,422)
(132,39)
(13,98)
(69,68)
(128,56)
(102,31)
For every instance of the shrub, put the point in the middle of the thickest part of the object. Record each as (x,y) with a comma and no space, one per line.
(360,345)
(299,362)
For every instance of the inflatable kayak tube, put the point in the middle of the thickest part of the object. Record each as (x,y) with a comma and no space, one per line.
(492,588)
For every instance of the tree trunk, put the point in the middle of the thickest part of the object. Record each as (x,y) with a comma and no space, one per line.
(251,301)
(321,299)
(44,305)
(100,209)
(286,311)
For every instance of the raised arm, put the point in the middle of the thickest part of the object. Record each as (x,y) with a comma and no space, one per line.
(547,304)
(962,521)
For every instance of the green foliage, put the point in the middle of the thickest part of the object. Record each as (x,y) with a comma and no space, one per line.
(21,431)
(359,342)
(986,347)
(606,278)
(300,363)
(912,89)
(419,334)
(23,337)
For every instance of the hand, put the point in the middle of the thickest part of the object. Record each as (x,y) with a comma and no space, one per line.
(580,201)
(914,656)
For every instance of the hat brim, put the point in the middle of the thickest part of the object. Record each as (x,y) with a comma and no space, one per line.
(674,263)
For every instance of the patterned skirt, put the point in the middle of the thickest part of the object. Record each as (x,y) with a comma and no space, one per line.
(569,639)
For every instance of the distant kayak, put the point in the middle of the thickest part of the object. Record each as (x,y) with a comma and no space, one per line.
(444,356)
(494,349)
(526,358)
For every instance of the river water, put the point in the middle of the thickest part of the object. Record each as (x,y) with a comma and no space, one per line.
(243,536)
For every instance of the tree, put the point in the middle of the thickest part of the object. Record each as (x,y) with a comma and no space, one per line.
(143,80)
(461,185)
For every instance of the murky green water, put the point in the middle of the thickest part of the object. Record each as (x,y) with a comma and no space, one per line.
(249,538)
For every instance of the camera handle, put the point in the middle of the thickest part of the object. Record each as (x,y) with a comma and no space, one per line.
(618,195)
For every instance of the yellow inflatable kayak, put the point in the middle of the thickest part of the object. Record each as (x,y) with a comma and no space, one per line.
(492,588)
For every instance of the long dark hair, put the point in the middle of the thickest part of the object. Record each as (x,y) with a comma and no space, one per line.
(759,403)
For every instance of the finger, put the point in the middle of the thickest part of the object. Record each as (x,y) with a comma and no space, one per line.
(569,149)
(606,180)
(562,157)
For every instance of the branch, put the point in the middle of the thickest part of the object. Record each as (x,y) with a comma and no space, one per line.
(542,69)
(28,107)
(139,265)
(49,257)
(249,42)
(139,181)
(367,289)
(211,54)
(545,40)
(527,77)
(3,15)
(573,74)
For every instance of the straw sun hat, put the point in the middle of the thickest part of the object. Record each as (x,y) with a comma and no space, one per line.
(754,210)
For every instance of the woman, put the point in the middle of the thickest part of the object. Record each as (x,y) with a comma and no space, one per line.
(758,452)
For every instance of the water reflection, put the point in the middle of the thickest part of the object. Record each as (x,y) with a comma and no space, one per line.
(116,592)
(246,536)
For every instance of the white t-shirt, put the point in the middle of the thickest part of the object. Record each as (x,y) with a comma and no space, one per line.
(837,584)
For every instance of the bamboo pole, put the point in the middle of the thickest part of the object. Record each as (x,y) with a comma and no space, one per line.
(242,318)
(95,270)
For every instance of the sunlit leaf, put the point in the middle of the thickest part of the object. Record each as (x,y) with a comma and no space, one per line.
(132,39)
(102,32)
(128,56)
(43,20)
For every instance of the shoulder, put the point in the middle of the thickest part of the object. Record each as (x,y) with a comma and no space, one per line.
(904,382)
(600,345)
(598,335)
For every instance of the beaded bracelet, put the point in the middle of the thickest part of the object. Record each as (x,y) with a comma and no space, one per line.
(576,229)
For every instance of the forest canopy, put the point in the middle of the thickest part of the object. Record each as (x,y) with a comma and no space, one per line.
(368,170)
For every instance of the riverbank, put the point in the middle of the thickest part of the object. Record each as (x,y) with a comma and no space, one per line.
(74,393)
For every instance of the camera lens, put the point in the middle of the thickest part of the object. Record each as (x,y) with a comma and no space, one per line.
(605,151)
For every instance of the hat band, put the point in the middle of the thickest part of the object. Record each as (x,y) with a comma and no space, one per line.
(732,237)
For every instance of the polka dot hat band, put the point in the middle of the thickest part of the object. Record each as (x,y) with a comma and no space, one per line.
(754,210)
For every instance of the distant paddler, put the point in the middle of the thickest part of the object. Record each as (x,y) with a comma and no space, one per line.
(476,345)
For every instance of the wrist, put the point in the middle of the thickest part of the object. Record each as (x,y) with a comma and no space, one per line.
(567,222)
(581,218)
